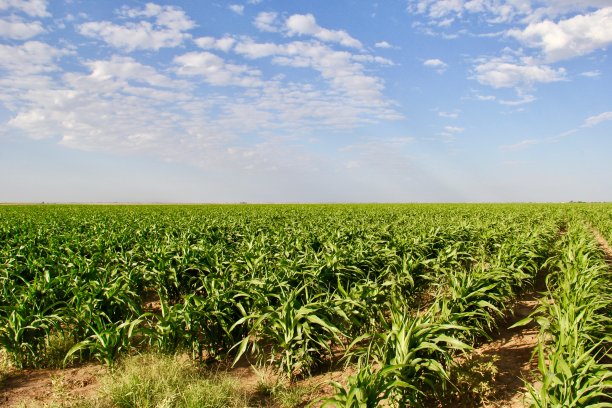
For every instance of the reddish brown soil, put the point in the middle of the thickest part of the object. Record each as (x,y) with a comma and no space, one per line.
(516,361)
(512,350)
(253,381)
(603,243)
(32,388)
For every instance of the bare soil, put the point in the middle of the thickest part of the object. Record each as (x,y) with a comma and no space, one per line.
(515,359)
(603,243)
(254,381)
(34,388)
(512,351)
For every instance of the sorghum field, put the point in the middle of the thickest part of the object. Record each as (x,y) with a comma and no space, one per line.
(394,298)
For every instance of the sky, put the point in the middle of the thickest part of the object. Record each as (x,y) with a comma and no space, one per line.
(305,101)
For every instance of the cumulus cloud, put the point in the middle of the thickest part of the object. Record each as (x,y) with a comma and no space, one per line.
(165,16)
(504,72)
(523,98)
(210,43)
(383,44)
(125,70)
(446,12)
(17,29)
(236,8)
(251,49)
(555,9)
(372,58)
(30,57)
(437,64)
(342,69)
(121,104)
(214,70)
(591,74)
(576,36)
(448,115)
(33,8)
(597,119)
(485,97)
(453,129)
(306,24)
(167,29)
(266,21)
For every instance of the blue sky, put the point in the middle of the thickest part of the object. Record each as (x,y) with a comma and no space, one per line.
(305,101)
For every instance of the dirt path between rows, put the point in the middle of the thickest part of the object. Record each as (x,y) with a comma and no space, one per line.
(514,348)
(603,243)
(43,387)
(512,351)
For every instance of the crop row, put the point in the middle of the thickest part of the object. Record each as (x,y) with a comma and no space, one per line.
(575,319)
(399,289)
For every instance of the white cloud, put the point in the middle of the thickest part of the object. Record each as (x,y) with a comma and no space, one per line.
(236,8)
(340,68)
(449,115)
(575,36)
(504,72)
(123,106)
(591,74)
(305,24)
(33,8)
(266,21)
(523,99)
(383,44)
(171,17)
(16,29)
(125,70)
(167,30)
(446,12)
(485,97)
(372,58)
(437,64)
(557,8)
(215,70)
(210,43)
(453,129)
(252,50)
(30,57)
(597,119)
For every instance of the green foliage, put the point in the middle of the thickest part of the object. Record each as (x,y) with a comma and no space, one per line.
(408,286)
(366,389)
(293,336)
(473,380)
(575,326)
(108,340)
(156,380)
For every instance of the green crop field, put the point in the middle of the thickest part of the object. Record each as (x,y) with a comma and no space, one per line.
(401,294)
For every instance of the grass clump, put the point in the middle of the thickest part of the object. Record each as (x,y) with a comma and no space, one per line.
(474,380)
(5,367)
(274,390)
(156,380)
